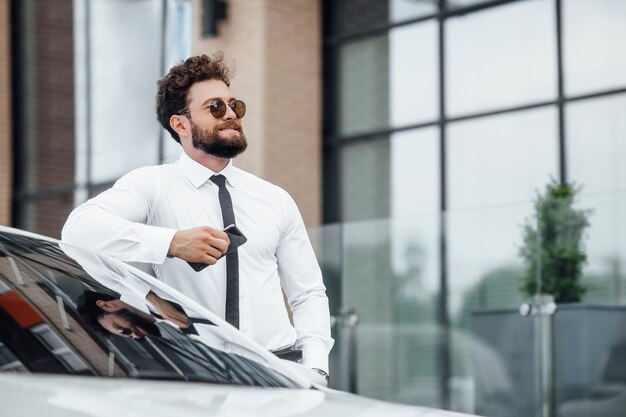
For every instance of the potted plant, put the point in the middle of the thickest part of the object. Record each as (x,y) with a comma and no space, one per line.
(554,237)
(580,336)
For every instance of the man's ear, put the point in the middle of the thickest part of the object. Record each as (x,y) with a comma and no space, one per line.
(180,124)
(106,306)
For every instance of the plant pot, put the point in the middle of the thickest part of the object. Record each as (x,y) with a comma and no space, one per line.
(589,361)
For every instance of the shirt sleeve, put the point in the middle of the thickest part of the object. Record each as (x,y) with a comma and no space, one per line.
(113,223)
(301,279)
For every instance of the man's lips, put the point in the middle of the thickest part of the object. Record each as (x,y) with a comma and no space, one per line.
(230,127)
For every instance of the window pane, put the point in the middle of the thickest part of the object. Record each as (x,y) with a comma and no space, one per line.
(594,40)
(99,188)
(496,165)
(415,187)
(388,81)
(365,180)
(604,273)
(459,4)
(72,361)
(390,277)
(596,150)
(484,269)
(596,143)
(47,215)
(501,57)
(50,340)
(125,65)
(501,159)
(400,10)
(6,356)
(391,177)
(354,16)
(483,263)
(179,24)
(413,66)
(484,272)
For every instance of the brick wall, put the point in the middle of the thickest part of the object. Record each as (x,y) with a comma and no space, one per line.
(6,159)
(54,81)
(276,48)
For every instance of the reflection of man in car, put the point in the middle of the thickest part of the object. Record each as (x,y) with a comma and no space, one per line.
(104,311)
(207,355)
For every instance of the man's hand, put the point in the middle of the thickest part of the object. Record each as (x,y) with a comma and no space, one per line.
(201,244)
(167,310)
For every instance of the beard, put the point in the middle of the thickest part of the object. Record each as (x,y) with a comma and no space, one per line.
(136,320)
(212,143)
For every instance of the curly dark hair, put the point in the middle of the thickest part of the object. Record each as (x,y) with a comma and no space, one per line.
(89,311)
(173,88)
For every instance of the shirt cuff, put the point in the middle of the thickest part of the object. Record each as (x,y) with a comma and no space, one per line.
(155,243)
(315,356)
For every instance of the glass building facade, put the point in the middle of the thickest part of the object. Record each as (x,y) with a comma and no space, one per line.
(443,121)
(90,116)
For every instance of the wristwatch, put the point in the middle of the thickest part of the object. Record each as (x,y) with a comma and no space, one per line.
(322,373)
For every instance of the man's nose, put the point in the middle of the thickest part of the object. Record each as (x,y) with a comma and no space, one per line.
(230,113)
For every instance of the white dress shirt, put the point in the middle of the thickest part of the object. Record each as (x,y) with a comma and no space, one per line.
(137,218)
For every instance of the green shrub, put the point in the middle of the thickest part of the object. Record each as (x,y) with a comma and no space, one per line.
(562,233)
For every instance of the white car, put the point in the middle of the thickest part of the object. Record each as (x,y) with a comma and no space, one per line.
(76,340)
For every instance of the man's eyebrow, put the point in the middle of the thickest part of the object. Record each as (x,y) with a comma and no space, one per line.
(226,100)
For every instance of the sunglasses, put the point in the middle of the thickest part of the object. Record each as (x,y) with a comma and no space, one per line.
(217,108)
(123,331)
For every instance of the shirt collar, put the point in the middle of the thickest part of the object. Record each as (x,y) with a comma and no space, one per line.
(199,174)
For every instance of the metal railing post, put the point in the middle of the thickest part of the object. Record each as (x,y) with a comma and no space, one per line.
(346,322)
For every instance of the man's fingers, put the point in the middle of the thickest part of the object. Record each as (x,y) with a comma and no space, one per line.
(220,245)
(220,241)
(211,260)
(216,238)
(214,252)
(181,318)
(214,233)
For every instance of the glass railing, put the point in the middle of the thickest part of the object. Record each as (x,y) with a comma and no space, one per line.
(428,310)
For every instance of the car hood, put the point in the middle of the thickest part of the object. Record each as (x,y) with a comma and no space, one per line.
(63,396)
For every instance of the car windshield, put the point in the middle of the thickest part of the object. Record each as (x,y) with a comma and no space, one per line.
(65,310)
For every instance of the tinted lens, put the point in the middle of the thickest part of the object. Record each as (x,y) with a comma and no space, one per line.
(239,107)
(217,108)
(123,331)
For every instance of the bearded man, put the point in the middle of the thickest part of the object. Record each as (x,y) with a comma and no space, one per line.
(172,216)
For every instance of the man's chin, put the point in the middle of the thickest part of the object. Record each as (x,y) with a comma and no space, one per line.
(226,152)
(225,143)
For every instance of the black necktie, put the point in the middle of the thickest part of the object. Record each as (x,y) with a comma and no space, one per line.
(232,259)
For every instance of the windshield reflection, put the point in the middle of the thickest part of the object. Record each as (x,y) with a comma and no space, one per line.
(115,316)
(99,309)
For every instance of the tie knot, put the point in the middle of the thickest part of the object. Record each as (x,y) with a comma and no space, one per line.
(219,179)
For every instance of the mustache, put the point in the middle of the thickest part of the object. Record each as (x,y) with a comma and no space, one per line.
(230,125)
